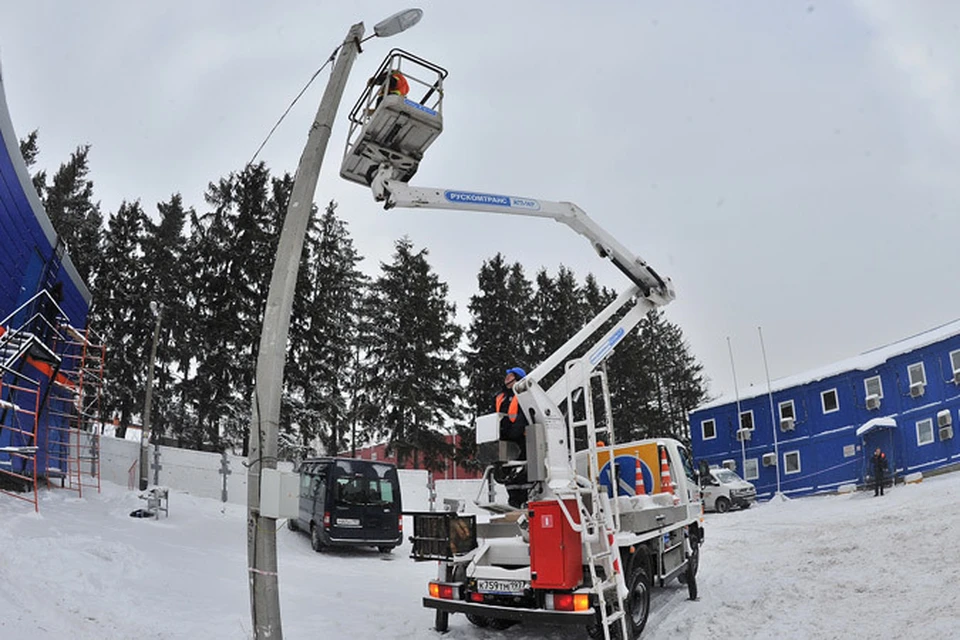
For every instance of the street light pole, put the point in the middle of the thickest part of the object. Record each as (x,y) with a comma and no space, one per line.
(261,530)
(268,386)
(148,401)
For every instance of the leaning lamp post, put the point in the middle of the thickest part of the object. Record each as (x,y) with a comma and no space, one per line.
(261,530)
(157,310)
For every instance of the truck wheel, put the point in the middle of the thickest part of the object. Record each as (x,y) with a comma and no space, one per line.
(722,505)
(501,623)
(292,524)
(694,560)
(478,621)
(315,540)
(638,597)
(442,622)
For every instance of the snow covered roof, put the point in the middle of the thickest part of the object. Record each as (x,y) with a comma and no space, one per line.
(864,361)
(885,422)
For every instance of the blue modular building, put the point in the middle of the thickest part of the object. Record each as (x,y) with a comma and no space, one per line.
(43,318)
(819,429)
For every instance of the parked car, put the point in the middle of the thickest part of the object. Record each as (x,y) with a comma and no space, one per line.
(723,489)
(348,502)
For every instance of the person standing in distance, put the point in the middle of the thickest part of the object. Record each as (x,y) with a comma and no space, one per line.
(879,468)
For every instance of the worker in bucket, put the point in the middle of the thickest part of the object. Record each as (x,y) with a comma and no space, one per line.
(879,468)
(513,428)
(392,83)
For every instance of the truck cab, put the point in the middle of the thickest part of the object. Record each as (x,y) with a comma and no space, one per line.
(724,489)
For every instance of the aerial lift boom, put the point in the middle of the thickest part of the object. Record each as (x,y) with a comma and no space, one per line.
(548,450)
(612,554)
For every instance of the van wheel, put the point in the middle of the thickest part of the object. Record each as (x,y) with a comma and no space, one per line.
(442,621)
(385,549)
(315,540)
(722,505)
(292,524)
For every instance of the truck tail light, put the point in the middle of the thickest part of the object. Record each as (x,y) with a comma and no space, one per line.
(567,601)
(444,591)
(326,519)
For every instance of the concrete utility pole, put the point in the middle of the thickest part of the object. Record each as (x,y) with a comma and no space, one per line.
(261,531)
(148,401)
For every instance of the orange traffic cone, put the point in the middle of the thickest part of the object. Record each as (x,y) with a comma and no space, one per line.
(638,487)
(666,482)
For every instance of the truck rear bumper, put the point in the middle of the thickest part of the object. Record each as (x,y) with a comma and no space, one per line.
(543,616)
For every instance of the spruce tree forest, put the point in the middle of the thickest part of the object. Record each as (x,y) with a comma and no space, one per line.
(370,358)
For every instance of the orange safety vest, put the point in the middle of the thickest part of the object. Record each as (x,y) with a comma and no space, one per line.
(514,409)
(399,84)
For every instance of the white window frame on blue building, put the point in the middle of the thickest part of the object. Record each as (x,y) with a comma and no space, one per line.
(786,462)
(752,423)
(751,469)
(923,373)
(929,423)
(793,412)
(823,400)
(879,390)
(955,361)
(713,428)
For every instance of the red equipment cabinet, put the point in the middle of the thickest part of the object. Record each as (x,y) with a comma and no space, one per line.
(556,555)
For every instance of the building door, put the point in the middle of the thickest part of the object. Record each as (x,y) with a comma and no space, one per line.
(883,438)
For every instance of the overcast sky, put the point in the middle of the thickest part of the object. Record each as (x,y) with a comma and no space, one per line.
(791,165)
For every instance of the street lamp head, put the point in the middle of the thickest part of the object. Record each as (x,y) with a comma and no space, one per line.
(398,22)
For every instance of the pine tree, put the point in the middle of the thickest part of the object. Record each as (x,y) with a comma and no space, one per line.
(676,379)
(412,374)
(323,331)
(30,150)
(558,313)
(499,332)
(168,283)
(499,338)
(73,213)
(235,249)
(121,313)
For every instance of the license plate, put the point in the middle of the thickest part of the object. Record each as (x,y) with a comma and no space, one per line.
(507,587)
(348,522)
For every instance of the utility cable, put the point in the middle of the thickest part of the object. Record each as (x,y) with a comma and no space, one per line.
(299,95)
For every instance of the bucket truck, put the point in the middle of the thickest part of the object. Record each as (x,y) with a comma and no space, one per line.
(603,525)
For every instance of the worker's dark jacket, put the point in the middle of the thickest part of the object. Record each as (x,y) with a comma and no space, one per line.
(879,464)
(513,424)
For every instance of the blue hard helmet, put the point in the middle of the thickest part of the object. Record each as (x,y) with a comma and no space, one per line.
(517,371)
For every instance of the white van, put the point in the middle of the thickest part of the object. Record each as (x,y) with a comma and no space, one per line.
(724,489)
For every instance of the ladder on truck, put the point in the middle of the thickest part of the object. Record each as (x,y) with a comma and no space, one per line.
(600,517)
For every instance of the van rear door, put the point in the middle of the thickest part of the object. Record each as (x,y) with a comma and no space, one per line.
(366,503)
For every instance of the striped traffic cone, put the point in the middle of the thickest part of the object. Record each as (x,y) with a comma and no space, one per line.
(638,487)
(666,482)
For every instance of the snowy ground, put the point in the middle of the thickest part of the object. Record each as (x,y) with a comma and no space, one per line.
(850,566)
